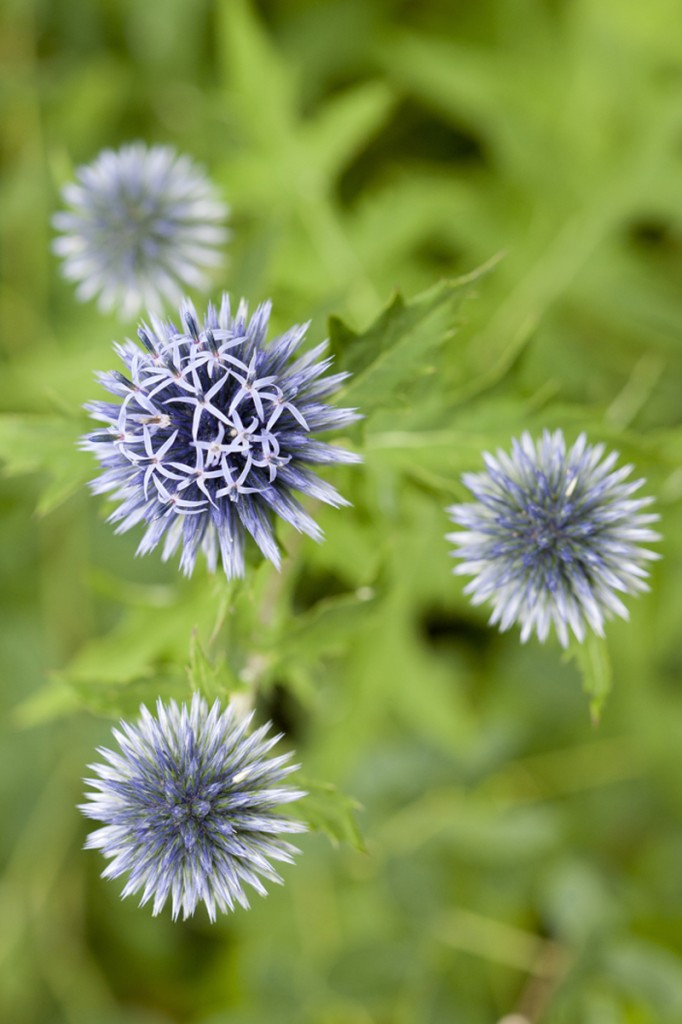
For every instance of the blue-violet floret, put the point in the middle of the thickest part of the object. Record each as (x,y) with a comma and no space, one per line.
(141,225)
(553,536)
(189,807)
(211,435)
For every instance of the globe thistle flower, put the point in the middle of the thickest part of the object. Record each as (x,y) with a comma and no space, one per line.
(142,222)
(553,536)
(189,807)
(213,435)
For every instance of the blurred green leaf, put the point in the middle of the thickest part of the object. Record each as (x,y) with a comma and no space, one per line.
(257,73)
(325,809)
(123,699)
(650,973)
(146,641)
(474,828)
(52,701)
(344,124)
(578,902)
(213,680)
(486,91)
(328,628)
(397,347)
(45,444)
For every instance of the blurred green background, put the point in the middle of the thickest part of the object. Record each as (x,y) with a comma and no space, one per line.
(518,859)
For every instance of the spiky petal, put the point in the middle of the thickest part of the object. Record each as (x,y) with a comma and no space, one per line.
(189,807)
(211,435)
(553,537)
(142,224)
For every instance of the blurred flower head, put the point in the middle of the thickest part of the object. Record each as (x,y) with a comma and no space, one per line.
(142,224)
(188,807)
(212,435)
(553,536)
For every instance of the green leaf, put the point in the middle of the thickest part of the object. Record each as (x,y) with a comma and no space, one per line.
(47,444)
(397,347)
(648,971)
(592,657)
(328,628)
(326,809)
(54,700)
(62,697)
(345,124)
(214,680)
(483,830)
(114,700)
(480,88)
(148,640)
(256,73)
(577,902)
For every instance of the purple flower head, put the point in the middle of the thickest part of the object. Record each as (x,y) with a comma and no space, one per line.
(212,435)
(553,536)
(189,807)
(141,223)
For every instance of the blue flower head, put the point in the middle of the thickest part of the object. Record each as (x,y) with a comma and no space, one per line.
(189,807)
(553,536)
(211,435)
(141,223)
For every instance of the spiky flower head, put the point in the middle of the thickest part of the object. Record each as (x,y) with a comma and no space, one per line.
(213,435)
(189,807)
(553,536)
(142,223)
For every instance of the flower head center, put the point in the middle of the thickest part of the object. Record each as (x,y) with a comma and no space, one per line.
(131,228)
(548,533)
(188,815)
(190,807)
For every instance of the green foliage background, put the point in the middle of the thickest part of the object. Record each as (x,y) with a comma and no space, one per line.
(513,857)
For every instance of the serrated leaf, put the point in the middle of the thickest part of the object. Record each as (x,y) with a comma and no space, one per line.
(326,809)
(47,444)
(397,347)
